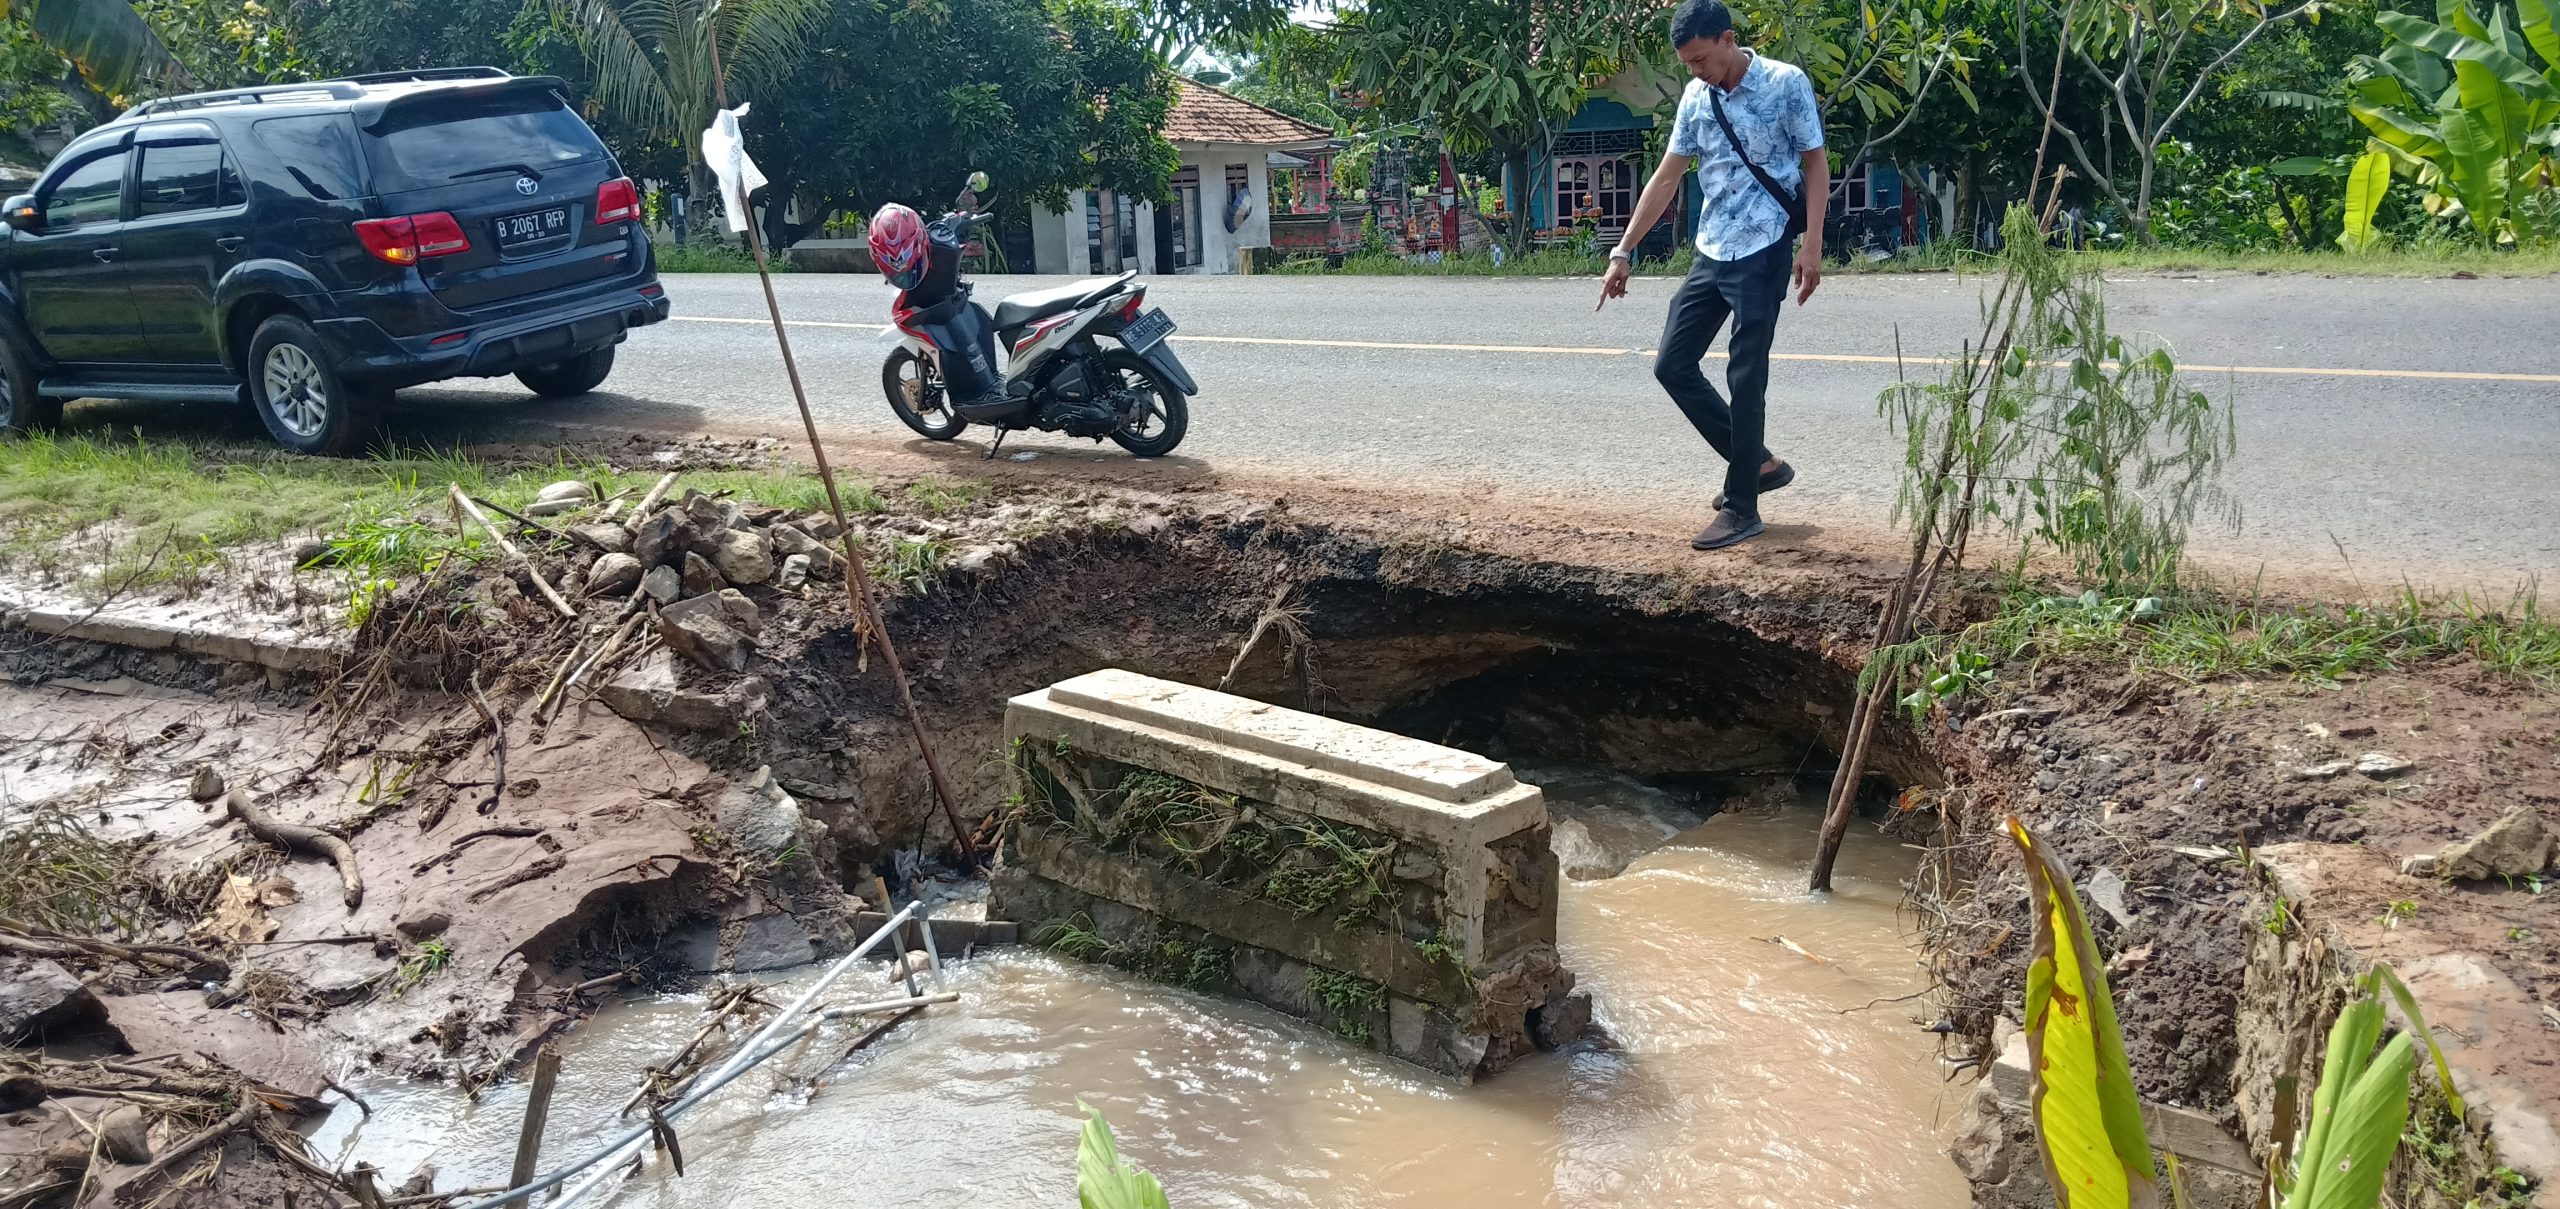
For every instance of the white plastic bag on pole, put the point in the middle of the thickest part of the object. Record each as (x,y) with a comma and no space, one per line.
(724,150)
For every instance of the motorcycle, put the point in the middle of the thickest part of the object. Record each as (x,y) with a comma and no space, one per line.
(1057,374)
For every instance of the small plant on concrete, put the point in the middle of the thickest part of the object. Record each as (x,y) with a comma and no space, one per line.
(1349,999)
(1076,938)
(1103,1179)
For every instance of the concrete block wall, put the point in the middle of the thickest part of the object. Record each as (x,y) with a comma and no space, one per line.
(1182,832)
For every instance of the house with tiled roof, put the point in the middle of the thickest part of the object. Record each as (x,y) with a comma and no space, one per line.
(1222,195)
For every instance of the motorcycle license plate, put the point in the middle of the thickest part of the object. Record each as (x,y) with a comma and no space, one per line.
(1147,330)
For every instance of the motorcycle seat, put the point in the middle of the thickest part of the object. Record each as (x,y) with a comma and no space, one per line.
(1040,304)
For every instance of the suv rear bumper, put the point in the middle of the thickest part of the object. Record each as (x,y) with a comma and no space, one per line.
(368,354)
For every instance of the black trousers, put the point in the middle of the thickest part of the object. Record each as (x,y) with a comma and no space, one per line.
(1749,291)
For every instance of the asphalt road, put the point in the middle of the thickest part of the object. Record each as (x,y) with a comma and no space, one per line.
(2412,424)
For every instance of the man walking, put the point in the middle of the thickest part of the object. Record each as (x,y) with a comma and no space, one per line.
(1750,126)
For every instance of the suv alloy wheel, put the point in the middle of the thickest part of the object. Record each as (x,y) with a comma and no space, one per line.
(305,405)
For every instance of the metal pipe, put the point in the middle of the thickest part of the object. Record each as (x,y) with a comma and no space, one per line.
(727,1071)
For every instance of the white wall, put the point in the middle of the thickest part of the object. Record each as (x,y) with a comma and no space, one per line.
(1058,237)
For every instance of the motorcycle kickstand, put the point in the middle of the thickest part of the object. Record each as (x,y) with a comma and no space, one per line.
(990,454)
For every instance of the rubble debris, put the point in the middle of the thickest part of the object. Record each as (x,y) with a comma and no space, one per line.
(700,577)
(743,557)
(206,784)
(700,629)
(662,584)
(2382,765)
(2519,845)
(661,538)
(38,995)
(614,575)
(610,538)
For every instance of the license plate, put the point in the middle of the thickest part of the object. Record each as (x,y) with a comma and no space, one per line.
(532,227)
(1147,330)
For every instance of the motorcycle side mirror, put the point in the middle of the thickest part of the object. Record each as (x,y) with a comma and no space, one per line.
(22,214)
(977,182)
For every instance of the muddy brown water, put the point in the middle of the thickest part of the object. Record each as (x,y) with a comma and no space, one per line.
(1742,1073)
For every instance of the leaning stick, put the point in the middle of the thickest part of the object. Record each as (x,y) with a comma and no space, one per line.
(464,503)
(666,482)
(603,657)
(251,1108)
(309,841)
(538,527)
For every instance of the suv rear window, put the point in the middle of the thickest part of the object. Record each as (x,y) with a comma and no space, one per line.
(318,150)
(432,143)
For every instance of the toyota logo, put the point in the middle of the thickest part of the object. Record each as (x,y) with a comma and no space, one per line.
(527,185)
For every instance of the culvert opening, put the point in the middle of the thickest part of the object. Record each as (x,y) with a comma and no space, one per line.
(1639,727)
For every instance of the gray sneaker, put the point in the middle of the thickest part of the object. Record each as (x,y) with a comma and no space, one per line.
(1783,475)
(1728,528)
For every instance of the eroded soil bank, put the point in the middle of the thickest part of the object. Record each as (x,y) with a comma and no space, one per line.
(675,818)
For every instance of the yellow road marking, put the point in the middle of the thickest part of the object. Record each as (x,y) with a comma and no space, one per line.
(2307,371)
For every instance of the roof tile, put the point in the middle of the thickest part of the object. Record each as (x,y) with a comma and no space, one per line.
(1202,114)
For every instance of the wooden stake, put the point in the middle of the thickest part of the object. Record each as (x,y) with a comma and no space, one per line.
(464,503)
(537,1109)
(857,579)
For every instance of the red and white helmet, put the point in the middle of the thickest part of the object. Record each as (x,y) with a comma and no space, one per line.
(898,245)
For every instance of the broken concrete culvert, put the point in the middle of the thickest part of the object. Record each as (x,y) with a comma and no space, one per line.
(721,787)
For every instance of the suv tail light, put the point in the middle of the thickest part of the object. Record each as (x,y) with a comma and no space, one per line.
(412,237)
(617,201)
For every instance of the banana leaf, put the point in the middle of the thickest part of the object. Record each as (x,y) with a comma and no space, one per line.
(2541,22)
(2477,172)
(2473,49)
(113,46)
(2088,1117)
(2392,127)
(1103,1179)
(2366,183)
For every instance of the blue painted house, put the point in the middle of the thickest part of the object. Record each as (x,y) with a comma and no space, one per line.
(1598,162)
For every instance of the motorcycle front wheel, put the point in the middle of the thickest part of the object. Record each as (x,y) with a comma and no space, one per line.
(1165,416)
(915,393)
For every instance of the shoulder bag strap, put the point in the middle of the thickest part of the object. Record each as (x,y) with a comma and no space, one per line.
(1786,201)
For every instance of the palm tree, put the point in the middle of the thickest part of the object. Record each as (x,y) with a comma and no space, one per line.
(652,61)
(107,40)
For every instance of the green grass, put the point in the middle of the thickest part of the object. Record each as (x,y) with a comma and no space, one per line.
(2441,260)
(2436,260)
(167,510)
(705,255)
(2207,636)
(942,497)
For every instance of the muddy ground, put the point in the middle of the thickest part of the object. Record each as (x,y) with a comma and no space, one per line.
(674,818)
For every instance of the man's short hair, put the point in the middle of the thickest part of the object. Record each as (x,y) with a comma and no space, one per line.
(1699,19)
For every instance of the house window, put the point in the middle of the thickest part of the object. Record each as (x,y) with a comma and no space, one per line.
(1597,169)
(1854,191)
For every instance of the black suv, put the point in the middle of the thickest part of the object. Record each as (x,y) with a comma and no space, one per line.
(312,247)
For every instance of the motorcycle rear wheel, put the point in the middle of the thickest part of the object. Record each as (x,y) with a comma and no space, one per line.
(927,409)
(1167,416)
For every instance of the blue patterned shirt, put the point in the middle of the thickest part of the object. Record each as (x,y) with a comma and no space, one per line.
(1773,110)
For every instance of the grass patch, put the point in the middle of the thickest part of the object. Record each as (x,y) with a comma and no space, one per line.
(2435,260)
(942,497)
(54,874)
(173,507)
(2204,636)
(707,255)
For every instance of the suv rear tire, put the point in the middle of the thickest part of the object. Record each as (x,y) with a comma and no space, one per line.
(22,410)
(575,376)
(298,394)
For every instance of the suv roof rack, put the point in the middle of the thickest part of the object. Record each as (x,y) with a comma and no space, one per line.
(427,74)
(342,88)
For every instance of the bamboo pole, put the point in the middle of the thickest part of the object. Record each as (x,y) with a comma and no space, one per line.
(857,583)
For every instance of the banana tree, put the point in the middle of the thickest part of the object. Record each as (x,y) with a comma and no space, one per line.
(2465,109)
(109,42)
